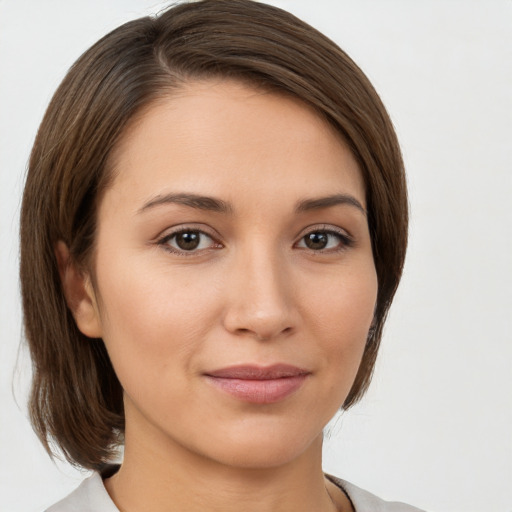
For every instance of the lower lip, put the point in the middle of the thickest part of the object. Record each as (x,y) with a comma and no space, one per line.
(259,391)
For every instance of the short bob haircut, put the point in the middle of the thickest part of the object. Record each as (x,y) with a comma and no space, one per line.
(76,402)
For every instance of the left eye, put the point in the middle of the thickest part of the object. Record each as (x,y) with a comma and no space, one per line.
(323,240)
(190,240)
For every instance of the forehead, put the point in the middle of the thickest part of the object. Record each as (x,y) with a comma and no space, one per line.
(218,137)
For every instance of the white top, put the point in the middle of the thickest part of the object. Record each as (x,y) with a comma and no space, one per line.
(91,496)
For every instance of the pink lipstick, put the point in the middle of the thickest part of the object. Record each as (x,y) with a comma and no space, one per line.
(257,384)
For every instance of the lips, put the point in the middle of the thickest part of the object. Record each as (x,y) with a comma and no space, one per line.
(258,385)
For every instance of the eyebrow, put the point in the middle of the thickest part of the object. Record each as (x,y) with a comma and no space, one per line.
(326,202)
(213,204)
(192,200)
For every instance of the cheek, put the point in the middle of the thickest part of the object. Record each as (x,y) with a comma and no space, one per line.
(344,301)
(338,312)
(152,319)
(341,314)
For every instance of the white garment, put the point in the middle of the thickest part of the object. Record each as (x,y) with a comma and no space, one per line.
(91,496)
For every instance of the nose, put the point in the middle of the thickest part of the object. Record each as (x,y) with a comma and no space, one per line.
(260,297)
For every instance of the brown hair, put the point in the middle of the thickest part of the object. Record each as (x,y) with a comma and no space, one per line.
(76,400)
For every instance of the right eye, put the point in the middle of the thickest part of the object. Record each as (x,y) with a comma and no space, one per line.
(188,241)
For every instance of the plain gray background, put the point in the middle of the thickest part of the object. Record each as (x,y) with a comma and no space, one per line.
(435,428)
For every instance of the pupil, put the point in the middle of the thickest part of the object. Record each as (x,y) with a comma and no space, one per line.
(316,240)
(187,241)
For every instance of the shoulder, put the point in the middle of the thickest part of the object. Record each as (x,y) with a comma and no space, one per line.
(90,496)
(364,501)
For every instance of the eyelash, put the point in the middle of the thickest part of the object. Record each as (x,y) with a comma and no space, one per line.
(164,241)
(345,241)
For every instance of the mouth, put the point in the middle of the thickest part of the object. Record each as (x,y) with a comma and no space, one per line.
(258,384)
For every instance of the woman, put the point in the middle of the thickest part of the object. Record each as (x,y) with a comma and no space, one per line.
(213,229)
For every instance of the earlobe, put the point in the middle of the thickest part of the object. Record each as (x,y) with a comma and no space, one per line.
(79,293)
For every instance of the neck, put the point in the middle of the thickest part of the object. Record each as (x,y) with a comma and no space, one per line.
(174,478)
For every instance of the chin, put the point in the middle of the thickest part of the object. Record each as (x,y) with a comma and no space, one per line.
(260,449)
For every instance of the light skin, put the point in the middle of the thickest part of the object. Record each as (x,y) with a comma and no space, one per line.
(272,264)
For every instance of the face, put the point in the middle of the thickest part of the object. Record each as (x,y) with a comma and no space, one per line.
(235,283)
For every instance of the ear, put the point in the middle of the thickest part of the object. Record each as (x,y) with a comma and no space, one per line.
(79,293)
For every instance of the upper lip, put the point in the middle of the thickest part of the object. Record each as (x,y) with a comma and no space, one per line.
(255,372)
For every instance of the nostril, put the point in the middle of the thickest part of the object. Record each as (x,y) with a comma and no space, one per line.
(268,336)
(263,336)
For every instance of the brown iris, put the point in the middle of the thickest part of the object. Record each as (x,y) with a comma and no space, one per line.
(316,241)
(188,241)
